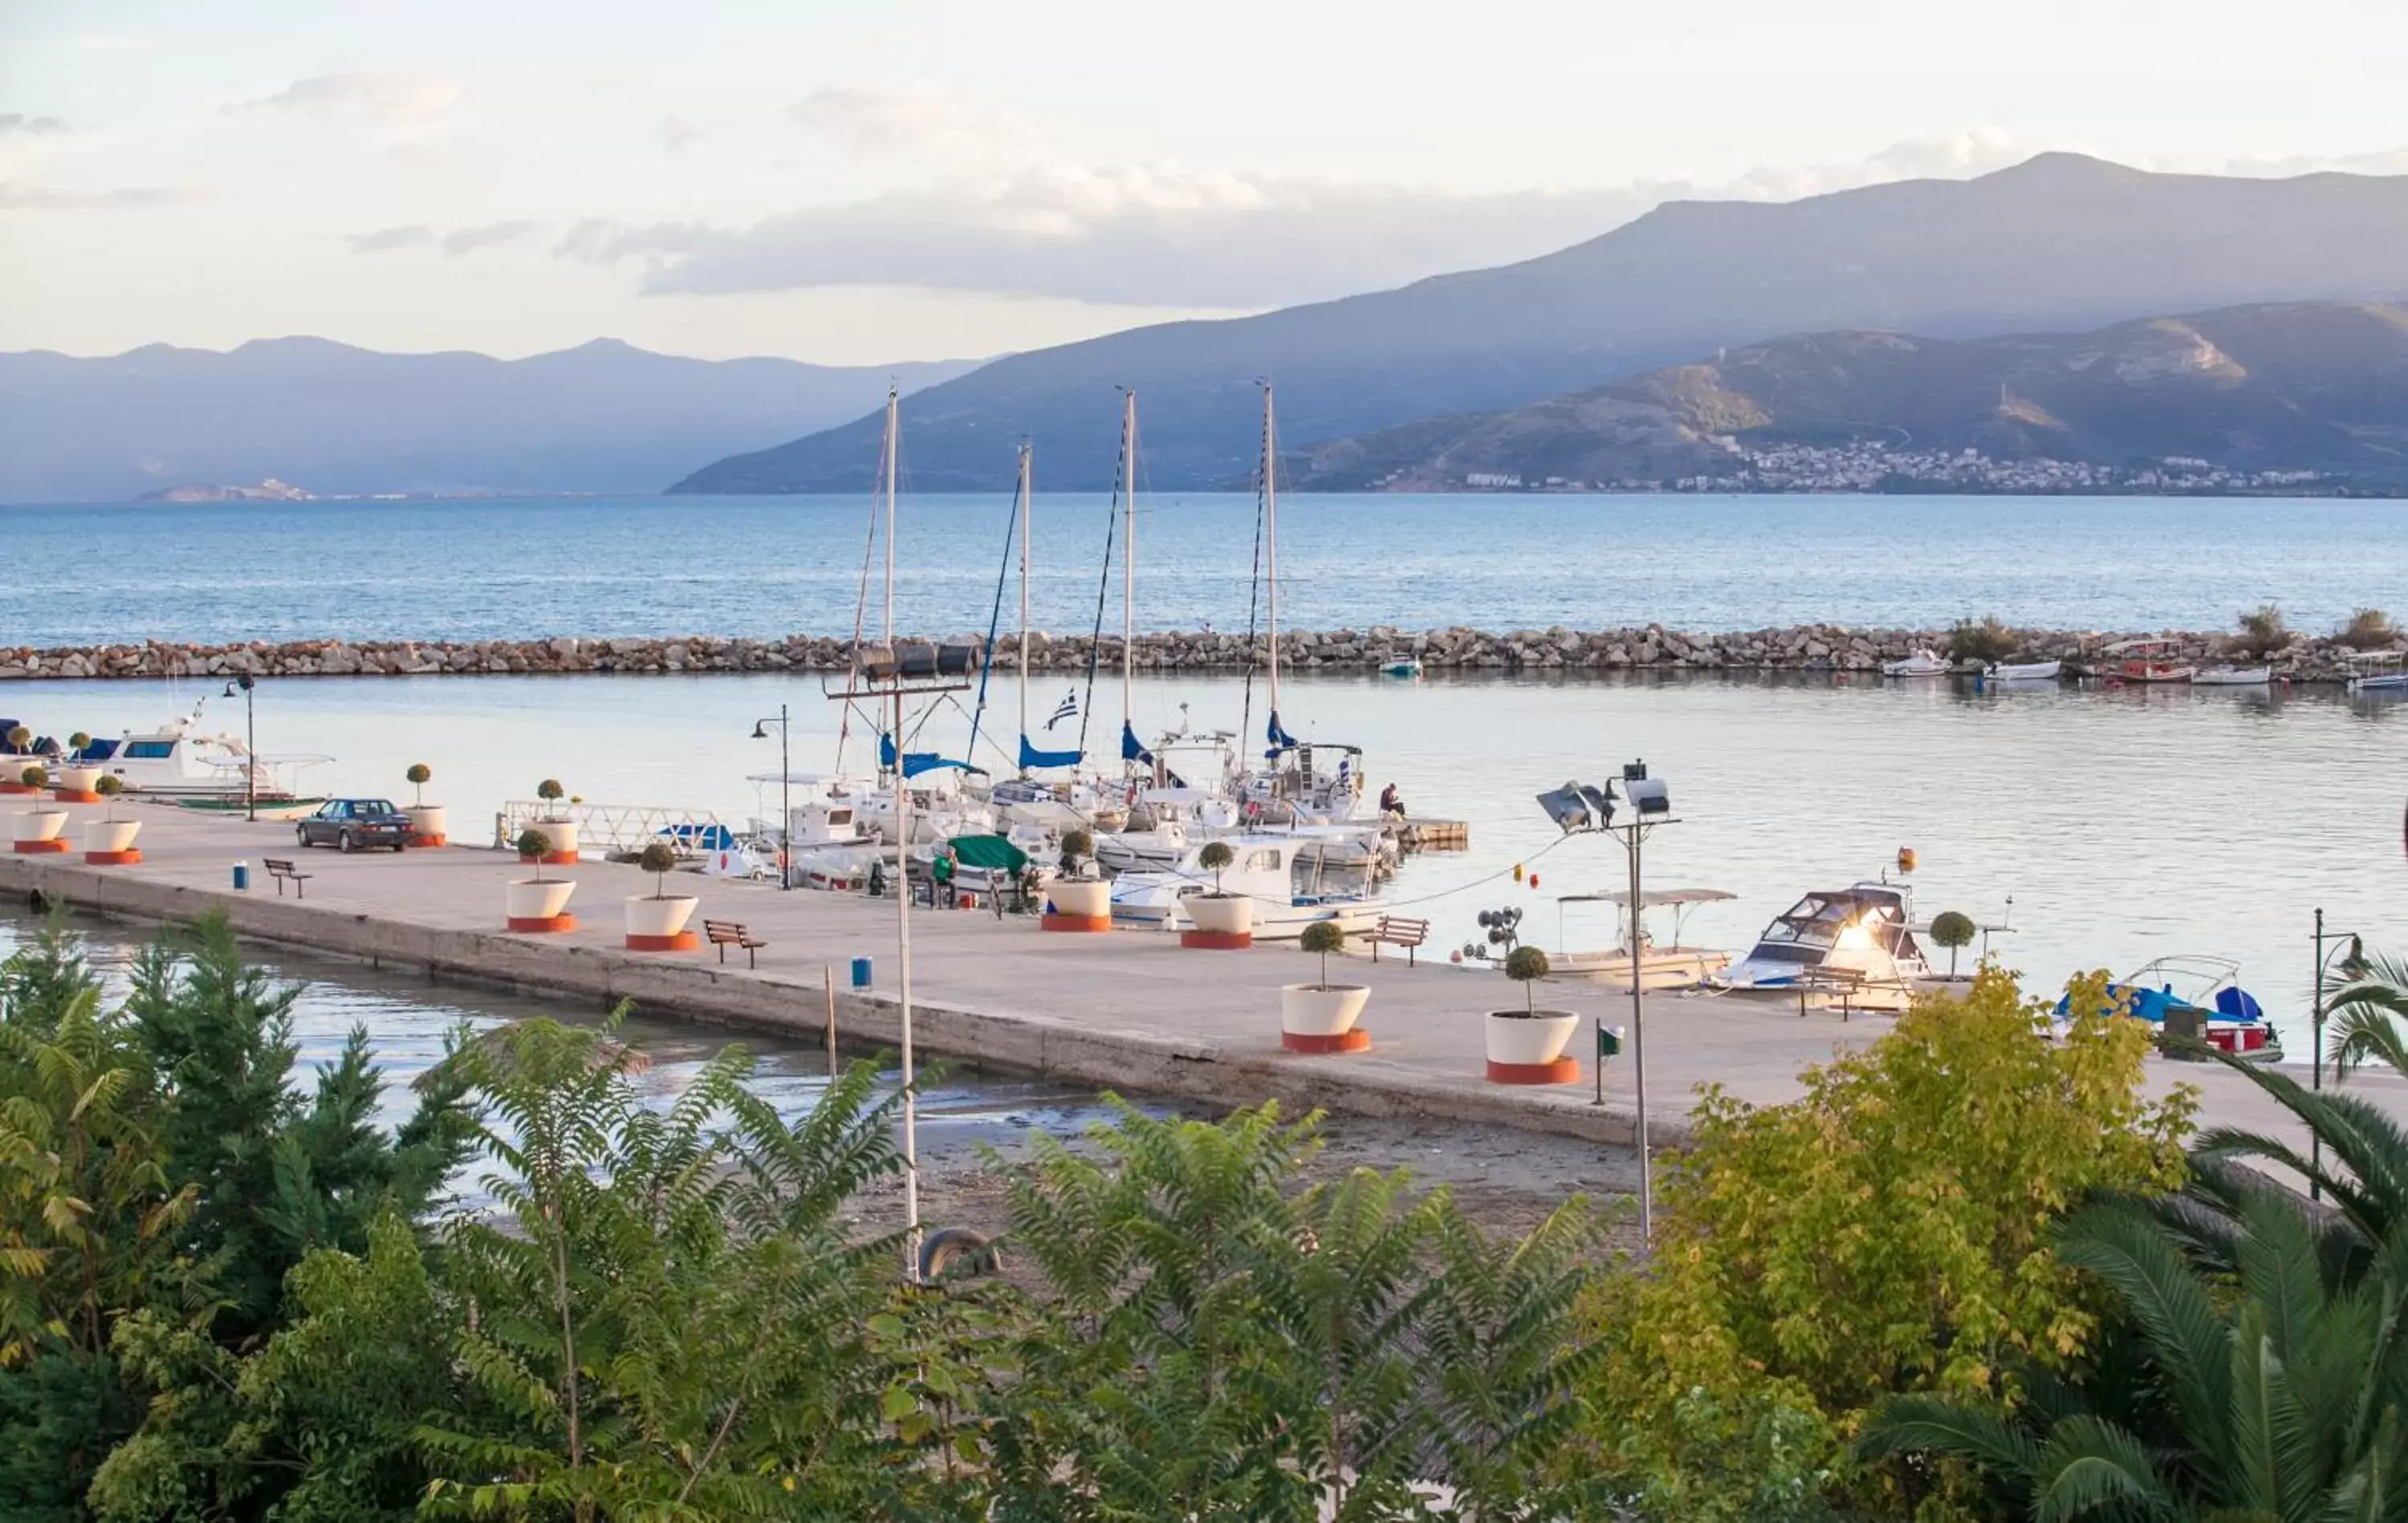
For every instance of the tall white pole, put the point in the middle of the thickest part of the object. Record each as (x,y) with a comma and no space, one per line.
(903,989)
(1270,533)
(1129,564)
(1027,506)
(1639,1049)
(891,418)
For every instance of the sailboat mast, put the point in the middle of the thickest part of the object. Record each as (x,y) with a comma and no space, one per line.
(1128,562)
(1027,505)
(891,420)
(1270,534)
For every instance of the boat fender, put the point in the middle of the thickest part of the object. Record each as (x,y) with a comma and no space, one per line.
(958,1253)
(1906,859)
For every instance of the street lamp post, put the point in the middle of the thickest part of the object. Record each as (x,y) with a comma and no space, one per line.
(786,797)
(251,745)
(1578,808)
(2350,944)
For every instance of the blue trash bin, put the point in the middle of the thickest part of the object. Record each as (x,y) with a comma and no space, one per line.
(242,878)
(861,971)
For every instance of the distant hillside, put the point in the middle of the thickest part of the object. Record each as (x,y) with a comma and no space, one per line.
(2302,386)
(602,417)
(2059,244)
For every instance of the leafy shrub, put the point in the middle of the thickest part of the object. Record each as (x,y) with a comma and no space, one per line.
(2369,629)
(1215,859)
(1954,929)
(534,845)
(1525,966)
(659,858)
(34,776)
(1323,937)
(549,791)
(2262,631)
(1988,640)
(417,777)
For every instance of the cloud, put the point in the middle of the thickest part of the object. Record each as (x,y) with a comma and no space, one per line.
(17,196)
(398,100)
(386,239)
(466,240)
(14,122)
(679,135)
(2388,162)
(923,121)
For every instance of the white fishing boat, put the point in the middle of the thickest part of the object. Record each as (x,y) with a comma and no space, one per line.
(1859,939)
(2029,670)
(2233,677)
(2146,661)
(1401,666)
(1287,895)
(1662,964)
(2378,671)
(1922,664)
(183,765)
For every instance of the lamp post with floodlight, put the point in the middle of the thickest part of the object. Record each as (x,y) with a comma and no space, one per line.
(245,686)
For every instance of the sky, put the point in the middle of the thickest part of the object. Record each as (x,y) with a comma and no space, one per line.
(938,178)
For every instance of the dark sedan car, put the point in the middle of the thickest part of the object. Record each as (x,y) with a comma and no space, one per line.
(352,824)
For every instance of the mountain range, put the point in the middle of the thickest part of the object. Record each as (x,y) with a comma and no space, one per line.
(601,418)
(2295,385)
(2060,243)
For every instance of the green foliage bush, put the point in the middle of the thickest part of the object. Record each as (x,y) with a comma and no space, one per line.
(1987,640)
(2263,631)
(1525,966)
(2369,629)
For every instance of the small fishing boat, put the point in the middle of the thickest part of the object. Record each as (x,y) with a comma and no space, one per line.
(2233,677)
(1860,935)
(2201,993)
(1922,664)
(2145,661)
(1402,667)
(2029,670)
(1288,894)
(2379,671)
(1665,965)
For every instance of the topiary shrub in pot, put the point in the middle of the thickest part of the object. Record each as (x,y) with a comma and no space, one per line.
(1222,921)
(656,923)
(1526,1045)
(1954,931)
(1321,1017)
(39,830)
(109,841)
(428,824)
(1078,898)
(19,738)
(539,903)
(557,828)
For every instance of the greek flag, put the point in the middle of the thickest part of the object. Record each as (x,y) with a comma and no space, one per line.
(1066,710)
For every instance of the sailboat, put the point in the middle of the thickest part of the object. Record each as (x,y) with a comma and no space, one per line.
(1305,782)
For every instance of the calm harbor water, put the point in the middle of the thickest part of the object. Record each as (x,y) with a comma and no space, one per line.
(2125,824)
(776,565)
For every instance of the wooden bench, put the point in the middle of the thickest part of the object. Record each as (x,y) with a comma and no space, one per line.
(1850,984)
(282,870)
(1397,931)
(725,933)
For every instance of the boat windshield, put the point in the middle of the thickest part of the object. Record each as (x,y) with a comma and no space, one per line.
(1817,919)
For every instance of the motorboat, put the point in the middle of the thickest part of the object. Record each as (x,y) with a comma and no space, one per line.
(2203,995)
(1922,664)
(181,765)
(1662,964)
(2029,670)
(1861,936)
(2233,677)
(1305,782)
(1162,824)
(1288,893)
(2146,661)
(2378,671)
(1401,666)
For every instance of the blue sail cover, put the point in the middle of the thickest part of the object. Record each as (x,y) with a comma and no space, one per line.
(1031,758)
(1280,739)
(1131,749)
(916,762)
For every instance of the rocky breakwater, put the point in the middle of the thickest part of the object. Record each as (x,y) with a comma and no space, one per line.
(1810,648)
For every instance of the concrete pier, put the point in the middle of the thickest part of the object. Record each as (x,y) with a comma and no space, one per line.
(1130,1011)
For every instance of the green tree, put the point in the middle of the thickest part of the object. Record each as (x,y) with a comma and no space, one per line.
(1954,929)
(1323,937)
(1215,859)
(1525,966)
(1887,1231)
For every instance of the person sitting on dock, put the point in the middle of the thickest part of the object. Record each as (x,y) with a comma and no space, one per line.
(1392,801)
(940,878)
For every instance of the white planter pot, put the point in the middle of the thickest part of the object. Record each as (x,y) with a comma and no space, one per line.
(1231,916)
(561,835)
(663,917)
(42,824)
(110,836)
(76,779)
(1526,1041)
(1321,1009)
(1083,898)
(427,822)
(529,900)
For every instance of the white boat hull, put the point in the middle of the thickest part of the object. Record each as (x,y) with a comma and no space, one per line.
(1660,968)
(2234,677)
(2037,671)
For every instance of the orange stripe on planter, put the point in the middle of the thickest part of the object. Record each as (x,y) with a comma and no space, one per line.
(75,795)
(43,848)
(1075,923)
(1356,1040)
(113,859)
(1562,1070)
(1217,941)
(543,923)
(432,841)
(685,941)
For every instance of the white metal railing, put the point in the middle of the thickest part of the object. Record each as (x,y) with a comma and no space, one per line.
(614,827)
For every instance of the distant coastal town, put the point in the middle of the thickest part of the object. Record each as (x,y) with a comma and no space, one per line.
(1869,466)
